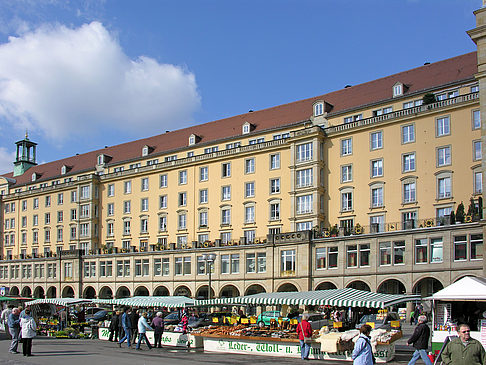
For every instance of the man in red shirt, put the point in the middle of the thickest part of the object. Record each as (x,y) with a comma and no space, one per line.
(304,330)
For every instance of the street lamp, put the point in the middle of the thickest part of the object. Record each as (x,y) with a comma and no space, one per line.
(209,259)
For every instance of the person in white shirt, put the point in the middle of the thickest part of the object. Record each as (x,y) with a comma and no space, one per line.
(29,330)
(4,318)
(143,326)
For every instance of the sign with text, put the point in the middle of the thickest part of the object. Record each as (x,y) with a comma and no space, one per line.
(168,338)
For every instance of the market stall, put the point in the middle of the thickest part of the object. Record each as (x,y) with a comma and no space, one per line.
(169,338)
(327,344)
(461,302)
(48,312)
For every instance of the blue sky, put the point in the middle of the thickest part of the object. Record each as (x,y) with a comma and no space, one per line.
(83,74)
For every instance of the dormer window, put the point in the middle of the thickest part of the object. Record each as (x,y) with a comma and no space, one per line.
(146,150)
(193,139)
(398,89)
(318,108)
(100,160)
(247,128)
(35,176)
(63,170)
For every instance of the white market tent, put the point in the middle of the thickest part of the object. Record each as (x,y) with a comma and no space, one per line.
(466,289)
(59,301)
(146,301)
(347,297)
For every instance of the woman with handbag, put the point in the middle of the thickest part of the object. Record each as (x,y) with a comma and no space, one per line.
(363,352)
(304,330)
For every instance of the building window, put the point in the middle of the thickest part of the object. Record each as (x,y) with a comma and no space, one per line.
(251,263)
(408,162)
(226,216)
(163,181)
(477,151)
(408,133)
(346,173)
(447,95)
(385,253)
(250,214)
(436,250)
(226,193)
(478,182)
(225,237)
(346,147)
(304,152)
(127,187)
(443,127)
(275,186)
(204,173)
(249,166)
(183,177)
(203,196)
(225,264)
(352,256)
(409,189)
(304,178)
(382,111)
(163,223)
(304,204)
(287,262)
(460,248)
(203,219)
(249,189)
(346,201)
(47,220)
(235,263)
(275,161)
(377,223)
(144,204)
(321,258)
(182,200)
(377,197)
(476,119)
(226,169)
(163,202)
(376,140)
(476,247)
(421,251)
(444,189)
(143,225)
(353,118)
(249,236)
(409,220)
(274,211)
(318,109)
(377,168)
(182,221)
(126,227)
(398,252)
(35,203)
(85,192)
(397,90)
(126,207)
(443,156)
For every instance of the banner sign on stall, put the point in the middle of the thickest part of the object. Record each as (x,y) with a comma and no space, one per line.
(372,324)
(337,324)
(395,324)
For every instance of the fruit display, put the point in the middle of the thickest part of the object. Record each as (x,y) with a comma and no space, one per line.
(245,331)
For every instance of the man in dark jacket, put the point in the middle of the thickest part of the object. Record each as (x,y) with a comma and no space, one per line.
(126,324)
(134,316)
(14,328)
(114,325)
(420,341)
(464,350)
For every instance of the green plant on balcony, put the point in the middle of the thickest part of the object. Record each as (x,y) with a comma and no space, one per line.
(428,98)
(460,213)
(334,231)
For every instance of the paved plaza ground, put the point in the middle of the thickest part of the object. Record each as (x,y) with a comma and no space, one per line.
(51,351)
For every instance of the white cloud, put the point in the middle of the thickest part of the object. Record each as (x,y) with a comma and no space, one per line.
(67,82)
(6,160)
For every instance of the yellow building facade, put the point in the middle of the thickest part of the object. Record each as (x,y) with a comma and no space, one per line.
(351,188)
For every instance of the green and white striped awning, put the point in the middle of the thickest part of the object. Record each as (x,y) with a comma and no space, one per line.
(60,301)
(146,301)
(346,297)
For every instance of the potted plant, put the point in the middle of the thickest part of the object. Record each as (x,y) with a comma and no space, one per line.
(334,231)
(453,217)
(428,98)
(460,214)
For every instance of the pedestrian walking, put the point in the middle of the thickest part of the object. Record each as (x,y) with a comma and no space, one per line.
(4,318)
(14,328)
(114,325)
(134,317)
(158,324)
(464,350)
(304,330)
(126,324)
(420,341)
(29,330)
(143,326)
(412,316)
(363,352)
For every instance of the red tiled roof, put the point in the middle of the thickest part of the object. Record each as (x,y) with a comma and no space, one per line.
(418,79)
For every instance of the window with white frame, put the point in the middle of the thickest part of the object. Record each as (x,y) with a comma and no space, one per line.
(275,211)
(163,223)
(182,199)
(225,237)
(443,212)
(203,196)
(460,248)
(249,235)
(377,223)
(226,192)
(476,247)
(225,264)
(443,156)
(304,204)
(444,187)
(275,186)
(183,177)
(346,146)
(226,169)
(346,173)
(144,204)
(163,181)
(476,119)
(436,250)
(447,95)
(287,261)
(127,187)
(249,189)
(85,192)
(203,219)
(274,161)
(408,162)
(249,166)
(226,215)
(477,151)
(204,173)
(304,152)
(377,196)
(382,111)
(478,182)
(409,191)
(474,88)
(376,140)
(143,225)
(318,109)
(126,227)
(443,126)
(144,184)
(110,231)
(346,201)
(408,133)
(182,221)
(304,177)
(397,90)
(353,118)
(376,168)
(250,214)
(235,263)
(163,202)
(421,250)
(303,226)
(127,207)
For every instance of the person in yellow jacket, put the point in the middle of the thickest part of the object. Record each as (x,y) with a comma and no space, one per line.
(464,350)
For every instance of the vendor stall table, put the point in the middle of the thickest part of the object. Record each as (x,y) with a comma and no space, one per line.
(168,338)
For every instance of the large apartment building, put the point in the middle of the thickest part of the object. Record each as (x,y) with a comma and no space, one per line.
(354,188)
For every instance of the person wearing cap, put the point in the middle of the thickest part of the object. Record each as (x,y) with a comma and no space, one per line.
(29,330)
(158,324)
(420,341)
